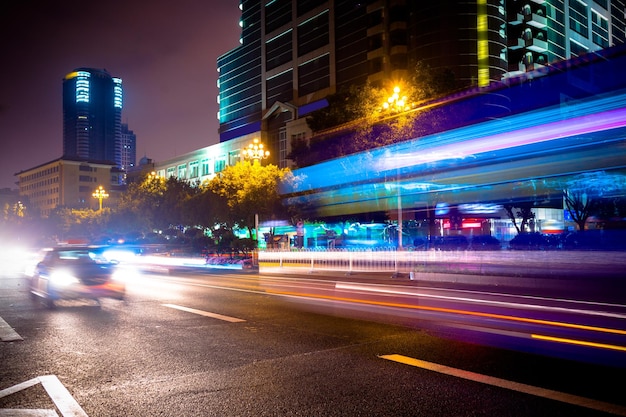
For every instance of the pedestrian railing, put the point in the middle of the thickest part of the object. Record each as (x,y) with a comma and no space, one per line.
(461,261)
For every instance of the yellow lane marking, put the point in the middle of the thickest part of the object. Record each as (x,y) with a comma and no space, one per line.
(510,385)
(204,313)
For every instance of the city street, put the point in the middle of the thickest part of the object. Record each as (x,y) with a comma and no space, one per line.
(226,343)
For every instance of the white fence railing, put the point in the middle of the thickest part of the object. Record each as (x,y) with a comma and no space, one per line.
(515,262)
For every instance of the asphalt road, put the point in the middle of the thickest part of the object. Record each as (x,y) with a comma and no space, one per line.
(228,344)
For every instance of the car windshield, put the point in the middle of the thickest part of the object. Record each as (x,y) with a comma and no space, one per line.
(81,255)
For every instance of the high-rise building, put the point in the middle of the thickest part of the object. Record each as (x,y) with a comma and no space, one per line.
(92,114)
(129,148)
(540,33)
(294,53)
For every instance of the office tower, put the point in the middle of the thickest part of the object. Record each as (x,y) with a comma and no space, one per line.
(129,148)
(294,53)
(92,112)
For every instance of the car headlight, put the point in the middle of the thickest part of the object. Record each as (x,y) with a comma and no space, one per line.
(63,278)
(125,274)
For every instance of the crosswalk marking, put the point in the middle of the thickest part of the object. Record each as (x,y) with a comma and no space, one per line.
(61,397)
(7,334)
(205,313)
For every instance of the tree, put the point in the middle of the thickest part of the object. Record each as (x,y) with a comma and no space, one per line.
(524,213)
(358,117)
(580,206)
(248,189)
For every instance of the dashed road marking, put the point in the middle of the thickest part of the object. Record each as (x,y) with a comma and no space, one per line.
(7,334)
(205,313)
(61,397)
(511,385)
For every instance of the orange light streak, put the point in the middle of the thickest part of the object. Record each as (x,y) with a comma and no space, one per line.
(456,311)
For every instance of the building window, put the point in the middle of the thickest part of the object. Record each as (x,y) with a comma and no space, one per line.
(313,34)
(578,20)
(182,171)
(278,50)
(194,169)
(280,88)
(220,164)
(205,167)
(314,75)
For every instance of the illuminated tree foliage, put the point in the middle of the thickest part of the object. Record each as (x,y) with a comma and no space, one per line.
(358,118)
(248,189)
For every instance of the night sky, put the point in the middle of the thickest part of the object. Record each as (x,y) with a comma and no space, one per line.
(164,51)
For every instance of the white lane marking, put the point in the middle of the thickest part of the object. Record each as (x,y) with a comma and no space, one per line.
(7,334)
(511,385)
(27,413)
(204,313)
(515,304)
(61,397)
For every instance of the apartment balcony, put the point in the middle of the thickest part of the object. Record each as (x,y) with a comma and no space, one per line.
(375,30)
(516,43)
(376,53)
(398,25)
(536,20)
(536,45)
(398,49)
(516,19)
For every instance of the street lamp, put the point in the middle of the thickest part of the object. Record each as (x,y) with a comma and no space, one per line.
(100,194)
(396,104)
(255,151)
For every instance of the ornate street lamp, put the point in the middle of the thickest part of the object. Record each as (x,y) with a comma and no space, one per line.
(395,103)
(255,151)
(100,194)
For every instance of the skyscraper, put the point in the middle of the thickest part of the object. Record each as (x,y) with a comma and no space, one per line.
(294,53)
(129,148)
(92,114)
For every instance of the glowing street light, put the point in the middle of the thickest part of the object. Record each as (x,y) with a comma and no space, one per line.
(396,103)
(100,194)
(255,151)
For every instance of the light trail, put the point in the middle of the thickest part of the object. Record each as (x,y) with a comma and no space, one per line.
(363,288)
(578,342)
(455,311)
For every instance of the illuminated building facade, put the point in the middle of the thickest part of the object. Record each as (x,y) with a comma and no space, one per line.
(540,33)
(92,114)
(294,53)
(65,182)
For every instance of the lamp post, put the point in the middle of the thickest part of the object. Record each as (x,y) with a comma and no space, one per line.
(100,194)
(256,151)
(396,103)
